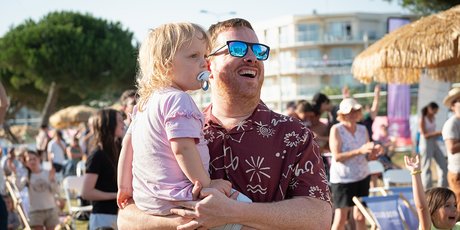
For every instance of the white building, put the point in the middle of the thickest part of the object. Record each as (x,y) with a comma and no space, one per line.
(311,52)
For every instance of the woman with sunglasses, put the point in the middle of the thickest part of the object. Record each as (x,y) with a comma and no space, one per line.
(349,173)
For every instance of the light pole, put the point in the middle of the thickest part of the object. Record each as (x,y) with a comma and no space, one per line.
(218,15)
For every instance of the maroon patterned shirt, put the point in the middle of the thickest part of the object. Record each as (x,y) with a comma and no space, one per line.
(268,157)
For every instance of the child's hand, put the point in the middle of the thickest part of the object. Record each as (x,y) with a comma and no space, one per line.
(123,196)
(223,186)
(412,163)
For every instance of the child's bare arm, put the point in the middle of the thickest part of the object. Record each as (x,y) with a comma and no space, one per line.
(124,172)
(413,164)
(189,160)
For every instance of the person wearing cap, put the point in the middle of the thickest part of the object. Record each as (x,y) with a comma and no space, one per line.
(349,174)
(451,135)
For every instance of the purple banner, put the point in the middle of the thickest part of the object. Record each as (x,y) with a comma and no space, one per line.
(399,110)
(398,106)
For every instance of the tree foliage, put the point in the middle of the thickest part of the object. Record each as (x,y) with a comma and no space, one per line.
(85,57)
(427,6)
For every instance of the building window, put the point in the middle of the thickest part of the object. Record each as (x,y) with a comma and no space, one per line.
(339,31)
(340,56)
(307,32)
(309,58)
(271,37)
(284,35)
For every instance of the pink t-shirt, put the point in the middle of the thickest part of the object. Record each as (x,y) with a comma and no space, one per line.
(157,177)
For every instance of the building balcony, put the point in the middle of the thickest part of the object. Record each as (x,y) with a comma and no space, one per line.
(313,67)
(325,40)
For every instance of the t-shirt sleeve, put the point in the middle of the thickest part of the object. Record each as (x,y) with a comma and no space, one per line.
(310,178)
(93,163)
(448,131)
(183,119)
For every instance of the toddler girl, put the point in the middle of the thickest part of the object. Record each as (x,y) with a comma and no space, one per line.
(169,153)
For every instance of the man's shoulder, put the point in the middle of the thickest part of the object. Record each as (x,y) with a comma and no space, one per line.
(276,119)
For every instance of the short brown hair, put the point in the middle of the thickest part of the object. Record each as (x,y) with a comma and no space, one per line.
(437,197)
(215,29)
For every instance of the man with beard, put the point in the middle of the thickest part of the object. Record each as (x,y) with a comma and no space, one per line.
(271,158)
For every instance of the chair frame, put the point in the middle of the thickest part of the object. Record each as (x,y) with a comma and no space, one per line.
(17,201)
(369,216)
(74,183)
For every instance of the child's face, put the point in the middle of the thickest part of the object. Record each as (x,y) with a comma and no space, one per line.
(188,62)
(446,216)
(32,161)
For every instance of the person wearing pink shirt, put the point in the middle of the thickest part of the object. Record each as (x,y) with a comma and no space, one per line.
(170,153)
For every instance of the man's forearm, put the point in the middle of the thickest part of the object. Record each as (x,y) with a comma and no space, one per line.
(296,213)
(131,217)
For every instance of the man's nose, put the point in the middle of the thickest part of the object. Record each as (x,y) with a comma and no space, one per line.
(250,56)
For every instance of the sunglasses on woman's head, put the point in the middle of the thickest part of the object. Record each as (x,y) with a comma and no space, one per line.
(240,49)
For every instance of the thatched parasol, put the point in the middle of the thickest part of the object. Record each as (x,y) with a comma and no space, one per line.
(71,116)
(431,42)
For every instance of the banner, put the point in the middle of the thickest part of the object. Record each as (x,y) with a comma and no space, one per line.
(398,96)
(399,110)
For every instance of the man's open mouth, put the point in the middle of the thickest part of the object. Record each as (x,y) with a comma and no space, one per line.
(248,73)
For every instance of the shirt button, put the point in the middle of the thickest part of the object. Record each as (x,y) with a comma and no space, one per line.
(227,136)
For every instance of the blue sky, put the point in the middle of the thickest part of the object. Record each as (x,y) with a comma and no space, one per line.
(140,15)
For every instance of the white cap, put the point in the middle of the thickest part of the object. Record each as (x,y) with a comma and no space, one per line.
(347,105)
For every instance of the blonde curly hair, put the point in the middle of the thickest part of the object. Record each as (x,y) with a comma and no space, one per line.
(157,52)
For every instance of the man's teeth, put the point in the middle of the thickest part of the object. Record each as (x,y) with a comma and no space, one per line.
(249,73)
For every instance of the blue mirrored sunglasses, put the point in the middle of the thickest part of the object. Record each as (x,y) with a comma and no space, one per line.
(240,49)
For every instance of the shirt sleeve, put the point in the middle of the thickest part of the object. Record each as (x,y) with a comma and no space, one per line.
(310,177)
(183,119)
(448,131)
(93,163)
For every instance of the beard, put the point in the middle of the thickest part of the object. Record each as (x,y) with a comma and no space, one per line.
(231,88)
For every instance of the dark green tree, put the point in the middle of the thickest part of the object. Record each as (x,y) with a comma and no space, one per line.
(427,6)
(66,58)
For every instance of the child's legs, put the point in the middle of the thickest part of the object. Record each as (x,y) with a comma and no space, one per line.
(52,218)
(97,220)
(37,219)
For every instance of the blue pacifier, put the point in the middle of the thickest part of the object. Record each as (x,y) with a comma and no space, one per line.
(203,77)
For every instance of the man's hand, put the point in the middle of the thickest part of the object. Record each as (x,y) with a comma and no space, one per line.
(210,212)
(224,186)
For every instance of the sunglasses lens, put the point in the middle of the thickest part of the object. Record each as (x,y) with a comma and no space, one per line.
(261,51)
(237,49)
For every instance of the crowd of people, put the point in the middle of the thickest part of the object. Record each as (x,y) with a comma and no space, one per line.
(162,163)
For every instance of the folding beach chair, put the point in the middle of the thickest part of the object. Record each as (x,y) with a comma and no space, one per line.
(376,167)
(381,212)
(17,201)
(397,176)
(73,186)
(406,206)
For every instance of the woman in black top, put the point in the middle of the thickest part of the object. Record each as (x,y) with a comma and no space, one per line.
(100,184)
